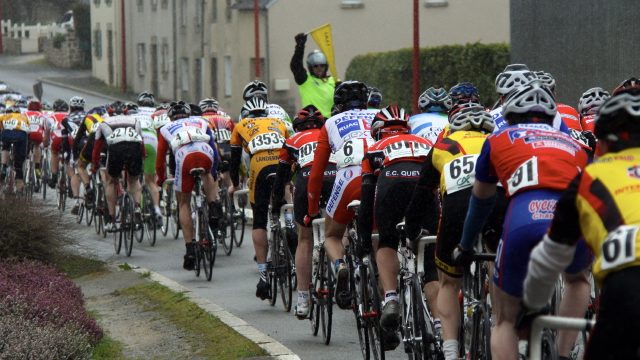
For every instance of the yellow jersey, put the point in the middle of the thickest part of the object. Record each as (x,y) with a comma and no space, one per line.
(14,121)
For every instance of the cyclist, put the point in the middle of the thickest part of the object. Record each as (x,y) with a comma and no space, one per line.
(15,130)
(390,170)
(345,135)
(150,138)
(54,136)
(36,134)
(192,144)
(84,141)
(512,77)
(122,137)
(71,124)
(534,162)
(600,205)
(261,137)
(257,88)
(298,151)
(450,168)
(374,99)
(588,106)
(434,104)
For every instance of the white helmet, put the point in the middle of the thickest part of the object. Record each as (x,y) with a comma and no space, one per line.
(255,88)
(530,97)
(547,79)
(255,107)
(471,116)
(514,75)
(591,100)
(77,102)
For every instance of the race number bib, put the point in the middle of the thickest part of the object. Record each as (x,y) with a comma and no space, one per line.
(460,173)
(123,134)
(351,153)
(223,135)
(161,120)
(306,154)
(525,175)
(619,248)
(35,122)
(265,141)
(188,135)
(406,149)
(11,124)
(145,122)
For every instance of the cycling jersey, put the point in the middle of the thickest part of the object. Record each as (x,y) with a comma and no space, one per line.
(160,119)
(84,139)
(17,122)
(428,125)
(501,122)
(222,127)
(150,139)
(146,111)
(36,126)
(347,135)
(56,130)
(569,116)
(300,149)
(588,122)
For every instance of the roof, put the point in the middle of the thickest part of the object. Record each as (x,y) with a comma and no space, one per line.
(245,5)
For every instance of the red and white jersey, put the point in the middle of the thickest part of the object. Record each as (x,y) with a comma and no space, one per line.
(395,149)
(185,131)
(569,116)
(301,148)
(36,121)
(221,125)
(54,123)
(588,122)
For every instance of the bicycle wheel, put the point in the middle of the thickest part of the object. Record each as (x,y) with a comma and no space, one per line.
(420,337)
(128,224)
(80,215)
(284,272)
(138,227)
(117,234)
(314,297)
(240,220)
(272,269)
(46,175)
(149,217)
(175,218)
(326,299)
(372,304)
(225,224)
(206,240)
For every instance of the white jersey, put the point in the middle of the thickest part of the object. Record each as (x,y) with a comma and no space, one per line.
(428,125)
(185,131)
(120,128)
(349,135)
(146,111)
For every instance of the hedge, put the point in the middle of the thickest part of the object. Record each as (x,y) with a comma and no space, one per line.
(391,72)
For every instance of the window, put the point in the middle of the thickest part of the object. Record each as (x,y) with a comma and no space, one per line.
(97,42)
(436,3)
(141,59)
(184,74)
(154,5)
(228,68)
(26,34)
(183,13)
(227,11)
(198,19)
(108,2)
(214,11)
(140,5)
(96,3)
(164,4)
(164,57)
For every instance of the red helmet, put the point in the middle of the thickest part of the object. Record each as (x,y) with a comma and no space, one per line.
(308,117)
(34,105)
(390,120)
(630,83)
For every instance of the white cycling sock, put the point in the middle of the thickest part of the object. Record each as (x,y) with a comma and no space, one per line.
(303,296)
(158,211)
(288,216)
(450,349)
(390,295)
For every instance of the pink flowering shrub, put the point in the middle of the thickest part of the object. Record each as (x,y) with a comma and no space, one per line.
(39,305)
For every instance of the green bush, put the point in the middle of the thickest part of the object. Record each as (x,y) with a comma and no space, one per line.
(445,66)
(58,39)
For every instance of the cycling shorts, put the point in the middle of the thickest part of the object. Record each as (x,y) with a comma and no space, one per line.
(20,141)
(225,149)
(527,220)
(300,199)
(224,164)
(393,194)
(150,159)
(36,137)
(346,188)
(262,187)
(87,150)
(188,157)
(124,154)
(454,211)
(259,161)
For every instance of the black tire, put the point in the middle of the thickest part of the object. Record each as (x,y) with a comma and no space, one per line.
(117,235)
(175,219)
(205,242)
(240,221)
(548,344)
(80,215)
(128,224)
(273,273)
(148,217)
(326,299)
(166,212)
(225,224)
(314,302)
(376,341)
(46,175)
(419,328)
(284,273)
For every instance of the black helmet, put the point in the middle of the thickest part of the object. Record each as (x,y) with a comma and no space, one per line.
(435,100)
(464,92)
(179,110)
(195,110)
(309,117)
(116,108)
(60,106)
(630,83)
(146,99)
(255,107)
(77,103)
(375,98)
(255,88)
(132,108)
(351,95)
(618,119)
(209,105)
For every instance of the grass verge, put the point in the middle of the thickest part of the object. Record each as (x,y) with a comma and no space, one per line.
(108,348)
(210,337)
(75,266)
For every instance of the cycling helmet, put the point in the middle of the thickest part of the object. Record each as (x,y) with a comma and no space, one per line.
(22,103)
(195,110)
(34,105)
(209,105)
(132,108)
(390,120)
(116,108)
(163,106)
(47,106)
(434,100)
(591,100)
(146,99)
(179,110)
(12,110)
(255,88)
(630,83)
(351,95)
(100,110)
(255,107)
(60,106)
(76,103)
(464,92)
(547,79)
(619,117)
(309,117)
(375,98)
(530,99)
(513,76)
(471,116)
(316,57)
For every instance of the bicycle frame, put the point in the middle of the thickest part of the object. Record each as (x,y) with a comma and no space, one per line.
(553,322)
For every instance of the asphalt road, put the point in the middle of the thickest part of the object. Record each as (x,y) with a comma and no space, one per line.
(234,277)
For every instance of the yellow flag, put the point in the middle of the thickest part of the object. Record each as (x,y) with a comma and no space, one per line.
(323,37)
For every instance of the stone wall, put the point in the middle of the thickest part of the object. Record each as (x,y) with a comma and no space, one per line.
(67,56)
(11,46)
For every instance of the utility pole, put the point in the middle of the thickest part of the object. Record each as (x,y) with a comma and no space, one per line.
(416,57)
(256,20)
(1,28)
(123,59)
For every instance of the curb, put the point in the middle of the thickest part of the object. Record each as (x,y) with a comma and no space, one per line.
(79,89)
(269,344)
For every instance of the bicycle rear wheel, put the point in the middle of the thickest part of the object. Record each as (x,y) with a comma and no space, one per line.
(273,273)
(128,225)
(372,306)
(80,215)
(148,216)
(225,224)
(205,242)
(326,299)
(239,221)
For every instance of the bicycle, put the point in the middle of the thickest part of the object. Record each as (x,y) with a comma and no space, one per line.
(124,217)
(63,186)
(226,228)
(206,242)
(148,212)
(46,172)
(418,328)
(100,207)
(29,177)
(171,210)
(363,278)
(281,263)
(239,215)
(322,287)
